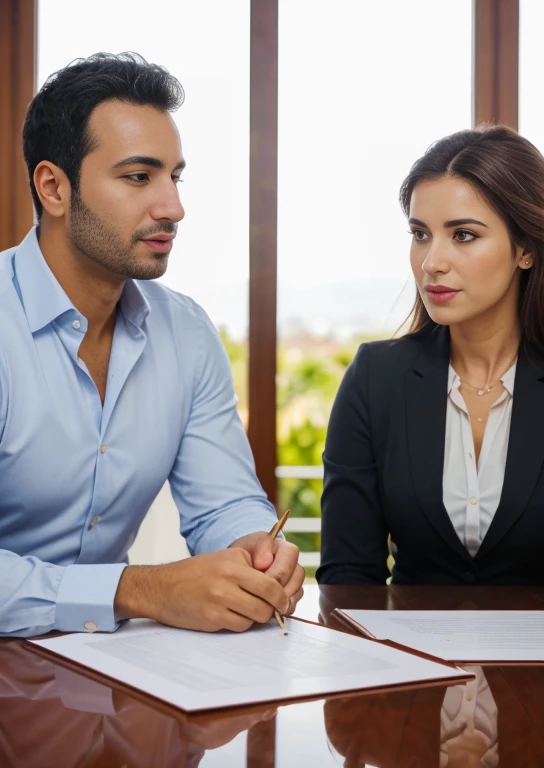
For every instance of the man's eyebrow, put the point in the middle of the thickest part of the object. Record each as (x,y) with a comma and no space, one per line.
(153,162)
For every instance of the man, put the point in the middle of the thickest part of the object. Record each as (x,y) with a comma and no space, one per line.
(111,385)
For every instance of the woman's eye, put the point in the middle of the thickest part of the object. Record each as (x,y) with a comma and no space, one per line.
(464,236)
(418,234)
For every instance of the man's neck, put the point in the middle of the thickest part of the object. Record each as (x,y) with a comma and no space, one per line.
(93,290)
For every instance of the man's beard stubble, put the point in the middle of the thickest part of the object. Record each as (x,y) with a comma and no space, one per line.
(98,241)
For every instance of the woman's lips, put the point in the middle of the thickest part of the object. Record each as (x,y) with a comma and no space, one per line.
(439,294)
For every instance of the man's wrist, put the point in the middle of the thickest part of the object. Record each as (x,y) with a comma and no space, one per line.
(133,596)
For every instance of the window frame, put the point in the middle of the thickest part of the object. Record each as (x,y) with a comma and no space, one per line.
(495,86)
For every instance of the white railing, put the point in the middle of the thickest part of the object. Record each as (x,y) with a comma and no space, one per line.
(303,524)
(309,559)
(300,473)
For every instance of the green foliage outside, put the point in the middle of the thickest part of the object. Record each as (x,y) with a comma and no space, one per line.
(310,370)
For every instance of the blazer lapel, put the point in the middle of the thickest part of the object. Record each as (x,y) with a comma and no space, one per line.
(426,401)
(525,454)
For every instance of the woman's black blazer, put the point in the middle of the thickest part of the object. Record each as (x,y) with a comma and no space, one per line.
(384,460)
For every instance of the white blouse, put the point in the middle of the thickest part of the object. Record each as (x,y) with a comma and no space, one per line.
(471,493)
(469,717)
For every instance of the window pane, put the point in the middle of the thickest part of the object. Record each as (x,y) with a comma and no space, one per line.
(531,71)
(364,89)
(206,45)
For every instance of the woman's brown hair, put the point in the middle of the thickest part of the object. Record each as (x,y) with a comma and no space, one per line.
(509,172)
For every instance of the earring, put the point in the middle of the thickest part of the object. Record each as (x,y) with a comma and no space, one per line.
(527,262)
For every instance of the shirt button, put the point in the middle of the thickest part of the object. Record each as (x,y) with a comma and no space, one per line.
(76,324)
(90,626)
(473,500)
(93,523)
(103,448)
(469,577)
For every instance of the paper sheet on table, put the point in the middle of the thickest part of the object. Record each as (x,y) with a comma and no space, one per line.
(460,636)
(198,671)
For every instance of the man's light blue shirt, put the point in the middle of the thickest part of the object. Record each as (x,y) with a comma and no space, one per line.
(76,477)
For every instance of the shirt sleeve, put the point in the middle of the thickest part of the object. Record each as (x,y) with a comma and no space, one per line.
(213,480)
(37,597)
(354,530)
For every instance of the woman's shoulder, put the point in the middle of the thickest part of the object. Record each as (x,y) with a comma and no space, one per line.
(390,356)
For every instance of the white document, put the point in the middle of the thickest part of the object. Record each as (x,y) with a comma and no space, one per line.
(198,670)
(460,636)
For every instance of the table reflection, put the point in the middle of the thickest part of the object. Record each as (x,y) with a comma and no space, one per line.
(469,725)
(51,717)
(478,724)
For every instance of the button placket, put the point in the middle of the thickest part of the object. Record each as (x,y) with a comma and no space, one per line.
(96,519)
(472,514)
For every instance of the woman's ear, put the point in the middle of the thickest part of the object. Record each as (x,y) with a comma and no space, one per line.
(525,259)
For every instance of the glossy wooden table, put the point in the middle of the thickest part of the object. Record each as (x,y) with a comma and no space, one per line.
(51,717)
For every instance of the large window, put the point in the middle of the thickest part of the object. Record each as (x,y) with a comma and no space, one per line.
(206,45)
(531,71)
(364,89)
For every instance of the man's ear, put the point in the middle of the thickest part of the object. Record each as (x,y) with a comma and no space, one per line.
(53,188)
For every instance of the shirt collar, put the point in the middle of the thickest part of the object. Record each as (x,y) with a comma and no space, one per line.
(509,377)
(453,379)
(44,299)
(134,304)
(42,296)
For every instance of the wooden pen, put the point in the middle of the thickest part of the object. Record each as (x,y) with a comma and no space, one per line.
(276,528)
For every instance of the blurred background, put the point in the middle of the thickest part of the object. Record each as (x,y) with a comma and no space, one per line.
(301,119)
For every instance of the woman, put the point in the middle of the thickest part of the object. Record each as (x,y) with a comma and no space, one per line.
(436,439)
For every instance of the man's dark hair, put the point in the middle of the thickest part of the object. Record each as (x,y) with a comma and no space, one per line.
(56,126)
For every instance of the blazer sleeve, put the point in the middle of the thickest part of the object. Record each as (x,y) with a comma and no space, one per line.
(354,531)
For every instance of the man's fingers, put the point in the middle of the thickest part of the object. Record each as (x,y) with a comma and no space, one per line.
(285,562)
(294,600)
(241,555)
(251,607)
(295,582)
(262,586)
(236,623)
(263,556)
